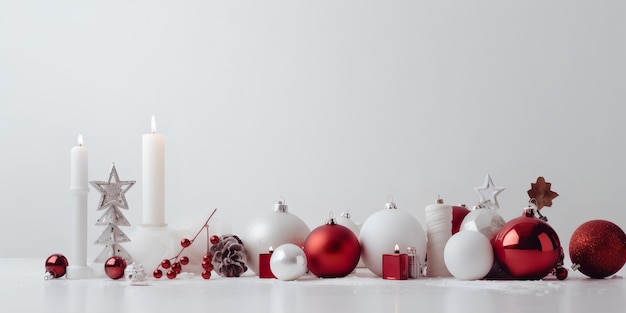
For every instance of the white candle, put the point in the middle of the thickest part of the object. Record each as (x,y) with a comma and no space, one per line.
(79,188)
(79,160)
(153,174)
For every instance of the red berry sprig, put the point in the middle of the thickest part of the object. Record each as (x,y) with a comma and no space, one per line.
(175,265)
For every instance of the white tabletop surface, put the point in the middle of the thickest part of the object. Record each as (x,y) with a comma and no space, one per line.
(23,289)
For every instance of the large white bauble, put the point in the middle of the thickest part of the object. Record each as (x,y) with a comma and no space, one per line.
(288,262)
(383,230)
(273,229)
(468,255)
(483,220)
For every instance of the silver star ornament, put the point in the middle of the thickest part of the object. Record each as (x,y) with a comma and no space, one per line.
(488,193)
(113,191)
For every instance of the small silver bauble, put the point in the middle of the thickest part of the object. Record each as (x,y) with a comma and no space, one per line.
(288,262)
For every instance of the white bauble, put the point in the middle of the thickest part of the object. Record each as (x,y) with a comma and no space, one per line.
(288,262)
(468,255)
(383,230)
(483,220)
(345,220)
(273,229)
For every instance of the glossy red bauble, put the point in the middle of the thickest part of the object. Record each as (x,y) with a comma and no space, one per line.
(166,263)
(56,266)
(458,214)
(598,248)
(114,267)
(332,250)
(184,260)
(207,265)
(206,274)
(527,248)
(157,273)
(171,274)
(215,239)
(185,242)
(176,267)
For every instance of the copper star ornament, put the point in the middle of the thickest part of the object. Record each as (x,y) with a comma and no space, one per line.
(540,193)
(488,193)
(113,191)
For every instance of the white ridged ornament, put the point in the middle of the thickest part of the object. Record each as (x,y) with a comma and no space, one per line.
(438,231)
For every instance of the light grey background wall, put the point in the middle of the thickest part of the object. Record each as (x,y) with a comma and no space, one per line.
(333,105)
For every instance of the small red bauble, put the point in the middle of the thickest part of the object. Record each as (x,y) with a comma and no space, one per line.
(458,214)
(166,263)
(114,267)
(185,242)
(206,274)
(157,273)
(598,248)
(56,266)
(560,273)
(215,239)
(527,248)
(171,274)
(176,267)
(207,265)
(207,257)
(332,250)
(184,260)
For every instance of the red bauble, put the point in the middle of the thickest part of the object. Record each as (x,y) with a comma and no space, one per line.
(176,267)
(157,273)
(206,274)
(56,266)
(166,263)
(171,274)
(527,248)
(458,214)
(114,267)
(598,248)
(332,250)
(185,242)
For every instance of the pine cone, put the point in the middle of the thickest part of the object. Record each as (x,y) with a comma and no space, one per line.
(229,257)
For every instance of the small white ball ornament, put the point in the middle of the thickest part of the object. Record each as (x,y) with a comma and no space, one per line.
(383,230)
(272,230)
(288,262)
(468,255)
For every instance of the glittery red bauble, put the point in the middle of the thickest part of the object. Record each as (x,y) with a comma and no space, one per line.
(458,214)
(114,267)
(56,265)
(527,248)
(332,250)
(599,248)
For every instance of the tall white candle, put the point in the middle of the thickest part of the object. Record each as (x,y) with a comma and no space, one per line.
(79,189)
(153,175)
